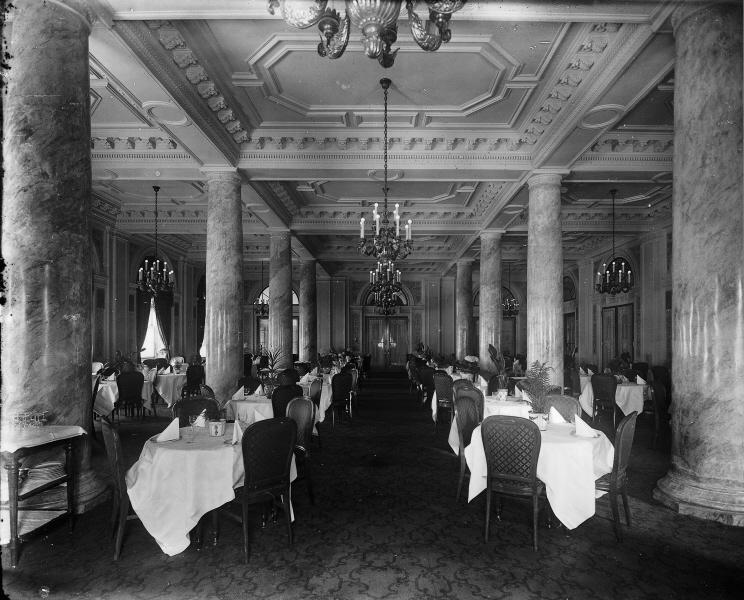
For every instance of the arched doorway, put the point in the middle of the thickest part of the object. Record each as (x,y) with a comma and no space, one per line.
(386,336)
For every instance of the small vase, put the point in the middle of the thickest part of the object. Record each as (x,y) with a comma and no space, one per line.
(501,394)
(540,419)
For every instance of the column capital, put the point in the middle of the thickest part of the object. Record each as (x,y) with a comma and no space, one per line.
(216,173)
(684,11)
(279,235)
(464,261)
(546,178)
(491,234)
(80,8)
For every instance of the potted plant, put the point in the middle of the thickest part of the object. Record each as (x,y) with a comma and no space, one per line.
(537,385)
(269,374)
(499,365)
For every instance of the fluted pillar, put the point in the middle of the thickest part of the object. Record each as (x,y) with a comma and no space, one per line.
(464,308)
(490,311)
(706,478)
(223,325)
(308,311)
(280,297)
(545,275)
(46,320)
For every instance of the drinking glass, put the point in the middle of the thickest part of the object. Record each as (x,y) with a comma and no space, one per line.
(192,420)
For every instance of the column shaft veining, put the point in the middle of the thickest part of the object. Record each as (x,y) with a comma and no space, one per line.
(280,297)
(46,321)
(490,312)
(545,275)
(706,478)
(464,309)
(224,282)
(308,311)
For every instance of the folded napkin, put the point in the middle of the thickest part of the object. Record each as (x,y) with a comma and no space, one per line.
(237,433)
(640,380)
(307,378)
(169,433)
(581,371)
(589,372)
(482,381)
(201,420)
(583,430)
(526,396)
(555,416)
(449,370)
(314,372)
(517,392)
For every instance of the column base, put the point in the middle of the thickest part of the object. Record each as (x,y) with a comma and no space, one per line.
(708,499)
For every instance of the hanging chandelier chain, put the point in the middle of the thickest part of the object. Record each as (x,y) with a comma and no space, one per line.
(157,189)
(617,276)
(385,153)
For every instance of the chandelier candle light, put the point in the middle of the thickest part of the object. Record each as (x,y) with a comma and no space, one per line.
(387,243)
(617,276)
(152,279)
(385,280)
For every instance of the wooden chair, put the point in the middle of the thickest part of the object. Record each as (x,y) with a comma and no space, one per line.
(302,411)
(282,396)
(120,498)
(445,396)
(426,377)
(604,387)
(466,414)
(288,377)
(341,385)
(130,393)
(512,446)
(616,481)
(475,395)
(567,406)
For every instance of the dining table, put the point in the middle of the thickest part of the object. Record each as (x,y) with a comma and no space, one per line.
(567,464)
(173,484)
(454,376)
(628,397)
(249,409)
(106,396)
(169,386)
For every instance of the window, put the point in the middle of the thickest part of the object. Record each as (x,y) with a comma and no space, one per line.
(153,343)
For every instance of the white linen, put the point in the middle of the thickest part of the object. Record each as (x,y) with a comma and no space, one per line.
(106,397)
(169,386)
(173,485)
(589,372)
(482,381)
(555,416)
(581,371)
(567,464)
(240,394)
(517,391)
(170,433)
(250,409)
(584,380)
(201,420)
(628,397)
(237,433)
(640,380)
(584,430)
(12,439)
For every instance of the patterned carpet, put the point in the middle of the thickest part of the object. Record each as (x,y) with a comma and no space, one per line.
(386,525)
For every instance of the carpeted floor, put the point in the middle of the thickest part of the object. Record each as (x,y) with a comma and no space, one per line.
(386,525)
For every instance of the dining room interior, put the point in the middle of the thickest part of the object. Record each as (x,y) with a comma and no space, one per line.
(466,274)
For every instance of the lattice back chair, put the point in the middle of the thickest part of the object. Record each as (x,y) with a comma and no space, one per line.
(194,405)
(120,498)
(282,396)
(250,384)
(288,377)
(604,386)
(130,393)
(302,411)
(466,414)
(459,384)
(445,395)
(593,368)
(415,380)
(630,374)
(642,369)
(476,395)
(575,381)
(354,387)
(567,406)
(512,446)
(616,482)
(341,385)
(268,447)
(315,392)
(89,415)
(654,405)
(426,377)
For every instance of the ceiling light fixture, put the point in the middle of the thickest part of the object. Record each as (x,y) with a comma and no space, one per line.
(387,244)
(152,279)
(262,306)
(376,19)
(386,287)
(617,276)
(509,305)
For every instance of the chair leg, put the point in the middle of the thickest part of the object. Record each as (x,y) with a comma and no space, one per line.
(626,505)
(215,526)
(615,515)
(288,516)
(462,475)
(123,511)
(535,512)
(246,537)
(488,510)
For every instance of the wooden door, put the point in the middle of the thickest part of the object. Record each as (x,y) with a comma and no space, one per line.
(387,341)
(617,332)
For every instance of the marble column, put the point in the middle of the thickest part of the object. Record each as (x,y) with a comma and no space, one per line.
(490,312)
(223,325)
(706,478)
(46,244)
(464,308)
(280,297)
(308,311)
(545,275)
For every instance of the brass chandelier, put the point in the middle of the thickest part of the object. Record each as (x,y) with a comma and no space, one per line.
(387,243)
(376,19)
(386,287)
(509,305)
(153,279)
(617,276)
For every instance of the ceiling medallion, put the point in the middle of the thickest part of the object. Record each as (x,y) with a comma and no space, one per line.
(617,276)
(377,20)
(386,244)
(152,279)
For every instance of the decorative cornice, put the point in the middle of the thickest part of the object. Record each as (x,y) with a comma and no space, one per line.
(629,143)
(133,143)
(281,194)
(197,100)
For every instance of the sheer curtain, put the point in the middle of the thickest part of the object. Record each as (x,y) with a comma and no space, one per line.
(142,314)
(163,303)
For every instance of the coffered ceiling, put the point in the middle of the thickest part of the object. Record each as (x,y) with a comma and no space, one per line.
(583,89)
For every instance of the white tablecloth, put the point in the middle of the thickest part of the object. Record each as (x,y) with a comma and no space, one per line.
(628,397)
(250,409)
(169,386)
(106,397)
(491,406)
(173,484)
(567,464)
(584,380)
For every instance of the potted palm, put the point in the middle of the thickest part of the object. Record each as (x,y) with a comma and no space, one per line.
(499,364)
(269,374)
(537,385)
